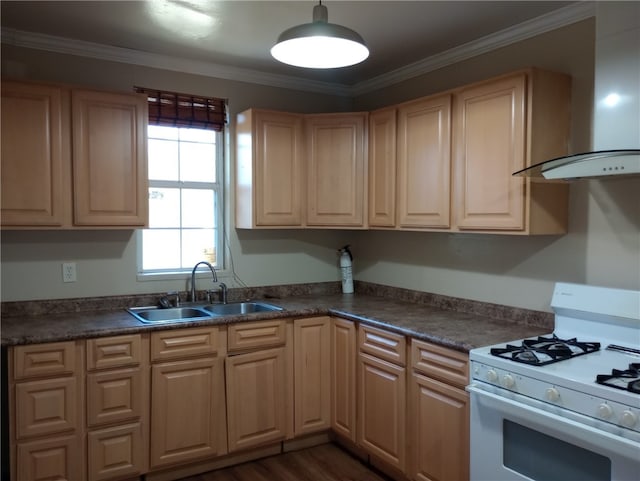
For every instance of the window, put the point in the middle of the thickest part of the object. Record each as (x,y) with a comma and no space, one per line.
(185,200)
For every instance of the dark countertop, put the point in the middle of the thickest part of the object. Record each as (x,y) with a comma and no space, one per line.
(455,329)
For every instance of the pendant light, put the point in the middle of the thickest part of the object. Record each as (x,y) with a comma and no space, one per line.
(320,44)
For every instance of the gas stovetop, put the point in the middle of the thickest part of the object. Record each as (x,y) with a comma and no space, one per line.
(588,365)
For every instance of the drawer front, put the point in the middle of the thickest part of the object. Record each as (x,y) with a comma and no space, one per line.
(48,459)
(167,345)
(45,407)
(440,362)
(383,344)
(117,351)
(114,396)
(115,452)
(259,334)
(38,360)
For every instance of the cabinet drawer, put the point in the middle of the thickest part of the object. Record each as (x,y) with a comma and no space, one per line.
(40,360)
(46,406)
(115,452)
(440,362)
(259,334)
(114,396)
(166,345)
(383,344)
(117,351)
(47,459)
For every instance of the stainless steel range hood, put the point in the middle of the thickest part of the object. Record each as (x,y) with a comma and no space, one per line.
(603,163)
(616,122)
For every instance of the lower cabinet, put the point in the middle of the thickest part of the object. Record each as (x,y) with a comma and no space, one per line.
(439,413)
(257,376)
(187,395)
(382,395)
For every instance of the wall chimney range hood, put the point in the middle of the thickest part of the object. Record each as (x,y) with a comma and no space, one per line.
(616,120)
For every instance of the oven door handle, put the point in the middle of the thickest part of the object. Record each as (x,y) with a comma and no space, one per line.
(561,425)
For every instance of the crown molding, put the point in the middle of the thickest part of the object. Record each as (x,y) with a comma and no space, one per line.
(557,19)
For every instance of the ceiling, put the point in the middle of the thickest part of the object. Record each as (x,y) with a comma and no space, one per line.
(239,34)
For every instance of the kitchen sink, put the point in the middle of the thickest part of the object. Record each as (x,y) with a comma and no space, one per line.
(239,308)
(155,315)
(173,314)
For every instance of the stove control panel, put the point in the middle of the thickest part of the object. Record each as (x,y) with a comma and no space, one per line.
(558,397)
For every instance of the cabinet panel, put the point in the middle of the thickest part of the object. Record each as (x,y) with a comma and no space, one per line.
(252,335)
(114,396)
(383,344)
(269,169)
(117,351)
(59,458)
(382,168)
(312,383)
(424,162)
(439,431)
(343,377)
(381,415)
(38,360)
(109,158)
(33,122)
(115,452)
(490,146)
(256,398)
(167,345)
(445,364)
(46,406)
(186,411)
(336,148)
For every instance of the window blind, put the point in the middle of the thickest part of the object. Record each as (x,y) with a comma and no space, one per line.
(185,110)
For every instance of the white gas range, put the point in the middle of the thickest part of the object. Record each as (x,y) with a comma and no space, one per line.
(563,406)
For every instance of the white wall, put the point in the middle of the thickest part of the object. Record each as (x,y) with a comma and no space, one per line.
(602,247)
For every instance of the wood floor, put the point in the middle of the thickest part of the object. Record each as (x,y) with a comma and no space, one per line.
(326,462)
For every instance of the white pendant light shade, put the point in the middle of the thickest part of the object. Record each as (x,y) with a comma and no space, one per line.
(320,44)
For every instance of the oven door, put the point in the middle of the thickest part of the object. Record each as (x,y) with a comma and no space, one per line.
(515,438)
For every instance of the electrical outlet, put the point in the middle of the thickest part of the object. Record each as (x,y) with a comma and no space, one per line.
(68,272)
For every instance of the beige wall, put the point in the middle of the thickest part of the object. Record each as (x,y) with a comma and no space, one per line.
(602,247)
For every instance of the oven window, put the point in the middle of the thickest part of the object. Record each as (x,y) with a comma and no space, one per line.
(544,458)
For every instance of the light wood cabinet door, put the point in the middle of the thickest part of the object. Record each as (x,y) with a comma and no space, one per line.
(343,378)
(381,409)
(336,146)
(501,126)
(439,431)
(115,396)
(109,159)
(116,452)
(187,411)
(424,163)
(312,383)
(256,398)
(36,165)
(382,168)
(269,169)
(51,458)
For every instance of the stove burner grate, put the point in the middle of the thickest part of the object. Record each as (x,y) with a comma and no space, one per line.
(628,379)
(545,350)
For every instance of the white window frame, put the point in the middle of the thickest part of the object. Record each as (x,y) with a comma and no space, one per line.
(219,193)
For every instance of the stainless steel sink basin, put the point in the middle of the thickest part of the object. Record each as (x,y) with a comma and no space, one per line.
(173,314)
(155,315)
(235,308)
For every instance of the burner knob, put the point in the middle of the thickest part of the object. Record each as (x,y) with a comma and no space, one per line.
(605,411)
(508,380)
(492,376)
(552,394)
(628,419)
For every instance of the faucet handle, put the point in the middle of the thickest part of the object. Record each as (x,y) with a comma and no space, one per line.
(223,293)
(176,297)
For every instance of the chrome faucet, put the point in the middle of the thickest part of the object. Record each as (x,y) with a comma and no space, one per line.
(193,278)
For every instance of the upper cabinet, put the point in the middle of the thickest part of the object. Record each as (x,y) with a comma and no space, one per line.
(269,169)
(73,158)
(336,169)
(382,167)
(424,162)
(501,126)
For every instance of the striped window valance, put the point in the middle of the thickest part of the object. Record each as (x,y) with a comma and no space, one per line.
(185,110)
